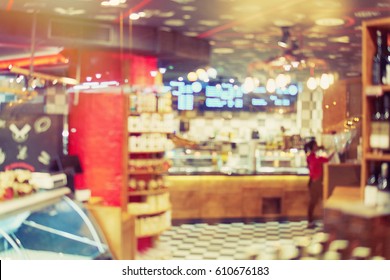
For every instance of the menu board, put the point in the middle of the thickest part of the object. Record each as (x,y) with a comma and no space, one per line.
(30,141)
(230,97)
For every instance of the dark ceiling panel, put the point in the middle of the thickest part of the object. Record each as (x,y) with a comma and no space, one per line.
(243,33)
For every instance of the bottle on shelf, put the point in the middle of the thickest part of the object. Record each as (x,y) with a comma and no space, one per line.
(375,123)
(379,61)
(385,124)
(386,77)
(383,176)
(383,194)
(371,188)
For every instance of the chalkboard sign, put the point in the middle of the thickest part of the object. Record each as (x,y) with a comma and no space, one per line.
(30,141)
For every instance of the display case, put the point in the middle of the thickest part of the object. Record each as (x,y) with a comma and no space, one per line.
(281,161)
(244,158)
(49,225)
(185,160)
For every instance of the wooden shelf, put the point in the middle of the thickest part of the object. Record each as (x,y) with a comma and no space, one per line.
(160,231)
(35,200)
(135,114)
(150,132)
(386,88)
(369,94)
(150,213)
(138,165)
(374,23)
(147,152)
(376,90)
(148,192)
(377,157)
(148,172)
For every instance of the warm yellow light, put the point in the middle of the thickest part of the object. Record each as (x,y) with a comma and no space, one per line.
(324,81)
(134,16)
(212,72)
(331,78)
(202,74)
(312,83)
(248,85)
(271,86)
(282,80)
(192,77)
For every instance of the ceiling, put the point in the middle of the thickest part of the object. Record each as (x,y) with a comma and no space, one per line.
(326,34)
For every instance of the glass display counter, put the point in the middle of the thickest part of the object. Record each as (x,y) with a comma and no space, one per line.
(49,225)
(237,158)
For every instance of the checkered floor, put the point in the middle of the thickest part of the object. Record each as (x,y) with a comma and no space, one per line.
(235,241)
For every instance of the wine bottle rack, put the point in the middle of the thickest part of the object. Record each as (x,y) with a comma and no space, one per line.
(370,94)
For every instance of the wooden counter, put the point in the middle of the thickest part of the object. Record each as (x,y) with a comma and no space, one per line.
(342,181)
(251,196)
(359,224)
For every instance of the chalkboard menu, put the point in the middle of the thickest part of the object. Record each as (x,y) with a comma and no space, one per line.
(29,140)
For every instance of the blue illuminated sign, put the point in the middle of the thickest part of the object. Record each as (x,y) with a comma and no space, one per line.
(185,102)
(259,102)
(227,96)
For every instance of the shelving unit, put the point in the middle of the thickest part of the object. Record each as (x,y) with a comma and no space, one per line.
(349,217)
(148,195)
(370,93)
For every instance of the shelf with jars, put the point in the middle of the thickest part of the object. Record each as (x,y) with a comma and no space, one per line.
(150,121)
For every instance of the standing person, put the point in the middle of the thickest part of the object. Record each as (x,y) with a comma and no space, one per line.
(316,165)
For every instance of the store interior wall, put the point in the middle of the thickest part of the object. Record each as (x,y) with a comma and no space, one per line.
(305,121)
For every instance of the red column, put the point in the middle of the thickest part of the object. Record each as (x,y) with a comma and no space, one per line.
(96,127)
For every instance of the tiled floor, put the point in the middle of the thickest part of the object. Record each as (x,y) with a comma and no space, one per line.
(233,241)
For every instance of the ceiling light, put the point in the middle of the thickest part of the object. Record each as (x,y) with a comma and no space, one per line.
(312,83)
(202,74)
(295,64)
(324,81)
(112,3)
(175,22)
(134,16)
(330,22)
(212,72)
(282,80)
(192,77)
(271,86)
(249,85)
(223,50)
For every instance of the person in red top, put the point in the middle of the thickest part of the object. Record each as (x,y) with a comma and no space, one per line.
(316,165)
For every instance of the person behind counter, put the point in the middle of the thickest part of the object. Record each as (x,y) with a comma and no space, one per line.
(315,164)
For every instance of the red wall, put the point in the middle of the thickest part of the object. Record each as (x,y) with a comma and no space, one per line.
(96,128)
(97,121)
